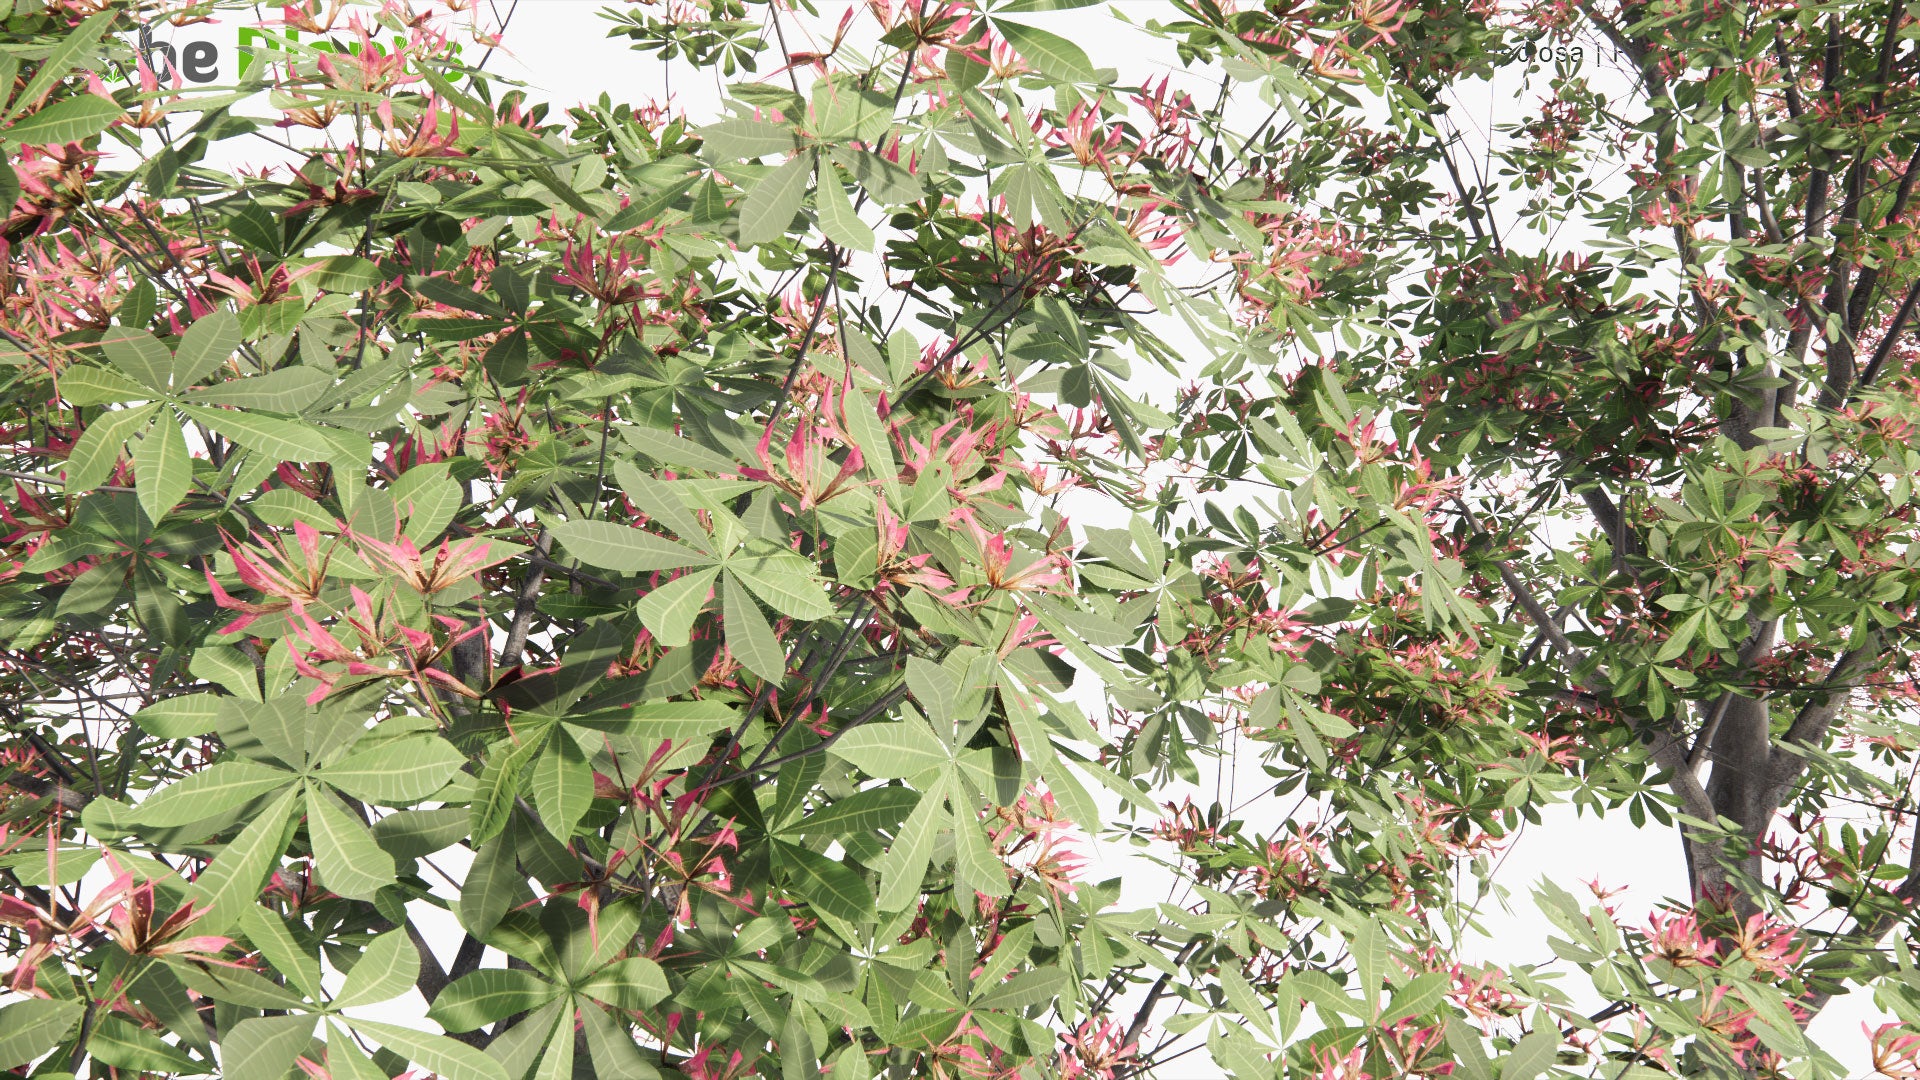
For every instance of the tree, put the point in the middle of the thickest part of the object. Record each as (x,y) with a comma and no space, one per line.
(642,535)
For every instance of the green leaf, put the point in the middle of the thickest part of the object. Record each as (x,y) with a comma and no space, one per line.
(482,997)
(180,717)
(396,773)
(32,1027)
(86,385)
(348,858)
(139,356)
(63,58)
(628,551)
(669,610)
(826,885)
(97,451)
(770,205)
(837,217)
(207,344)
(162,469)
(494,884)
(264,1047)
(1369,947)
(341,273)
(268,932)
(656,499)
(632,984)
(70,120)
(613,1049)
(387,968)
(287,390)
(233,880)
(904,867)
(345,1059)
(749,637)
(1049,53)
(500,783)
(786,581)
(662,719)
(889,184)
(974,863)
(1531,1055)
(452,1060)
(279,439)
(651,207)
(869,811)
(562,785)
(676,451)
(119,1043)
(213,790)
(892,751)
(70,864)
(733,140)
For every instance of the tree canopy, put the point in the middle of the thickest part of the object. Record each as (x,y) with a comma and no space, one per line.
(677,589)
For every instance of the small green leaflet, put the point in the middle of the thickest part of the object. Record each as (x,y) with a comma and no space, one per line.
(837,217)
(770,204)
(619,548)
(94,456)
(749,637)
(669,610)
(80,117)
(350,861)
(30,1028)
(162,469)
(893,751)
(827,885)
(733,140)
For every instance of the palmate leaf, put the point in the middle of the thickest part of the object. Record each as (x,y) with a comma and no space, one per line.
(88,385)
(268,932)
(904,867)
(180,717)
(632,984)
(288,390)
(837,217)
(873,810)
(613,1049)
(733,140)
(1049,53)
(345,1059)
(207,344)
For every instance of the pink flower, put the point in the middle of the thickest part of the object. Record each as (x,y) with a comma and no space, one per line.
(1677,940)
